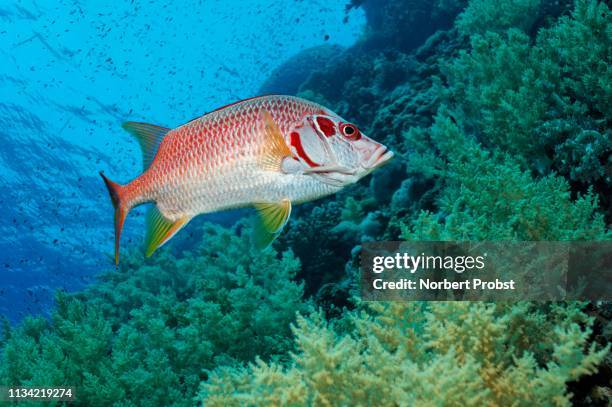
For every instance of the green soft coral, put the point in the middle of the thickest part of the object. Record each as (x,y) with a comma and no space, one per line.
(486,195)
(549,102)
(145,335)
(413,354)
(485,15)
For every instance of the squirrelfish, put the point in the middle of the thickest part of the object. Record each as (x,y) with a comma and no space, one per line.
(268,152)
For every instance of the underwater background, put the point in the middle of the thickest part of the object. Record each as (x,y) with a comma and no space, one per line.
(500,115)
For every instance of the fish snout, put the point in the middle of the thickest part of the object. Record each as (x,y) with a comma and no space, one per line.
(379,157)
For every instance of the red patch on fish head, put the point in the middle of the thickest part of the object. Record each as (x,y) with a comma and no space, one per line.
(296,143)
(326,126)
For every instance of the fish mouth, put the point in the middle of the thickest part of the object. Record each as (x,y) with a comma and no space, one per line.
(381,156)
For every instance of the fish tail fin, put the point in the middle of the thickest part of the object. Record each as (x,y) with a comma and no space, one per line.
(117,195)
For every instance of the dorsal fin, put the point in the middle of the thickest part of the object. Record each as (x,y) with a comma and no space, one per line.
(149,137)
(160,229)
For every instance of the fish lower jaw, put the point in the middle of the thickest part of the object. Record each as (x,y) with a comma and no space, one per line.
(380,157)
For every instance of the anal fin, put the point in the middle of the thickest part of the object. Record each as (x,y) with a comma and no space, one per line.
(272,218)
(160,229)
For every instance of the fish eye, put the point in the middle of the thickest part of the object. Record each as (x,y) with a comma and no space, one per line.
(350,131)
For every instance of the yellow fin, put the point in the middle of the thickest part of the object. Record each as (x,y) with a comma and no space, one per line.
(149,137)
(160,229)
(274,148)
(272,217)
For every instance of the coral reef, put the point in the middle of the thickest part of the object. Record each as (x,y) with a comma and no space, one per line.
(404,24)
(287,78)
(490,165)
(147,333)
(550,101)
(485,195)
(416,354)
(483,15)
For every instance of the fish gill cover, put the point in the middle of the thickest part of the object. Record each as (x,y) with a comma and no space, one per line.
(499,112)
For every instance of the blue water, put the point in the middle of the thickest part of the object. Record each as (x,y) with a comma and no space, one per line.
(73,71)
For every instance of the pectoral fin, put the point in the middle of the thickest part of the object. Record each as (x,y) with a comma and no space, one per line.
(274,148)
(160,229)
(272,218)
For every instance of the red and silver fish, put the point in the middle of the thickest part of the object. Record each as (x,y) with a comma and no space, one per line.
(268,152)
